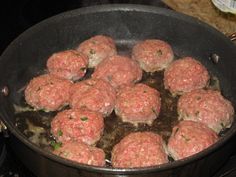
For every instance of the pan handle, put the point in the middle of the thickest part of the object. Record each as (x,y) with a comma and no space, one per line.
(232,37)
(3,128)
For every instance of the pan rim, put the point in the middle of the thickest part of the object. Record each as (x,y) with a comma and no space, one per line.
(112,8)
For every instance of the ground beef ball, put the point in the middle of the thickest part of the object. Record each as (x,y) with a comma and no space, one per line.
(97,49)
(138,104)
(185,75)
(119,71)
(78,125)
(208,107)
(81,153)
(69,64)
(189,138)
(94,94)
(140,149)
(153,55)
(48,93)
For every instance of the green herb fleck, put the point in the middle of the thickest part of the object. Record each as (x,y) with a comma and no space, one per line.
(83,69)
(197,113)
(154,111)
(92,52)
(159,53)
(177,129)
(65,154)
(84,118)
(222,124)
(94,42)
(109,78)
(55,145)
(59,133)
(38,89)
(43,109)
(77,54)
(198,98)
(185,138)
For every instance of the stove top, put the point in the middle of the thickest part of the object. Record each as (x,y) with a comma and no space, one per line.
(19,15)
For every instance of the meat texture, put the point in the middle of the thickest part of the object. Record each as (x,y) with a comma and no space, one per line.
(77,125)
(48,93)
(93,94)
(69,64)
(97,49)
(138,104)
(81,153)
(208,107)
(139,149)
(189,138)
(118,71)
(185,75)
(153,55)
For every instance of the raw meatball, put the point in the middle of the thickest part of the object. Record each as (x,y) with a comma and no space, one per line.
(69,64)
(185,75)
(153,55)
(48,93)
(140,149)
(78,125)
(81,153)
(138,104)
(119,71)
(189,138)
(97,49)
(208,107)
(94,94)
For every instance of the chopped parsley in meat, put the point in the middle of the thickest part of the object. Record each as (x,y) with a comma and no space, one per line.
(84,118)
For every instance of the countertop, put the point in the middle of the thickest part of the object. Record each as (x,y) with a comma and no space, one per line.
(207,12)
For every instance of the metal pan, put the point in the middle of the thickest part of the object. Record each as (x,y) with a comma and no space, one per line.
(26,56)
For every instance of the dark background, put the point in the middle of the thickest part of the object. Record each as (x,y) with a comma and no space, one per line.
(18,15)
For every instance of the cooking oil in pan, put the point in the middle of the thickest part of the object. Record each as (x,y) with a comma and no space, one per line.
(35,125)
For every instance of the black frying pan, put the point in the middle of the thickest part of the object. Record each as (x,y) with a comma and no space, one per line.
(26,56)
